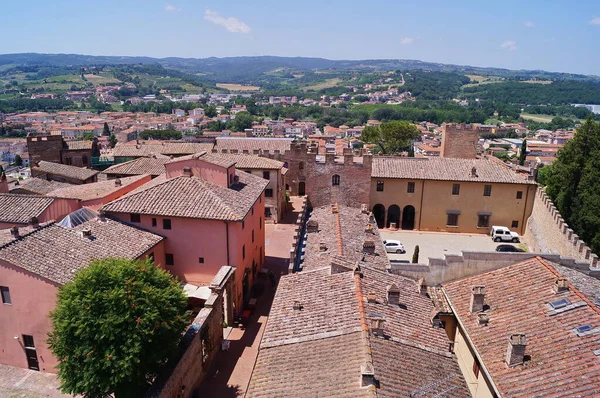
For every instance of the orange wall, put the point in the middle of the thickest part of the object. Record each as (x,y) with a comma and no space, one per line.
(55,212)
(97,203)
(207,171)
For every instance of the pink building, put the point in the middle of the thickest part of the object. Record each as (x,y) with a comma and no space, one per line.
(211,216)
(19,210)
(35,261)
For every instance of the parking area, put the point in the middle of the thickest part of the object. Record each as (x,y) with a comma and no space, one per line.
(436,244)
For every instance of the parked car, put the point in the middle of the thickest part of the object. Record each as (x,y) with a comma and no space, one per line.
(503,234)
(509,248)
(394,246)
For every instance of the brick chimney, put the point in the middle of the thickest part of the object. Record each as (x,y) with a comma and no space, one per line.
(422,287)
(34,222)
(14,231)
(371,298)
(515,355)
(368,247)
(367,375)
(483,319)
(477,298)
(393,295)
(377,326)
(560,285)
(118,182)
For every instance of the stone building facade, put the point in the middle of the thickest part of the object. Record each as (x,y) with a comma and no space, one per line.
(459,141)
(53,148)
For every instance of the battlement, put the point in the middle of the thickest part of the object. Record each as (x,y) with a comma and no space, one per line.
(547,232)
(460,126)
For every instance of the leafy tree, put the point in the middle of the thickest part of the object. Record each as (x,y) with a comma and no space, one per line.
(115,325)
(18,161)
(415,257)
(391,137)
(160,135)
(88,136)
(251,106)
(523,153)
(106,130)
(210,111)
(113,141)
(242,121)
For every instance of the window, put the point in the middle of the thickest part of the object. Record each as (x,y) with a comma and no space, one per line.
(151,257)
(243,224)
(243,252)
(487,190)
(379,186)
(411,187)
(455,189)
(483,221)
(166,223)
(169,259)
(515,224)
(335,180)
(153,222)
(301,166)
(252,236)
(201,260)
(269,193)
(519,194)
(5,295)
(135,217)
(452,220)
(28,341)
(266,175)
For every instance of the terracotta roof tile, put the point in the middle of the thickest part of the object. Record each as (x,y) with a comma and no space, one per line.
(251,144)
(19,209)
(38,186)
(164,148)
(78,145)
(145,165)
(79,173)
(96,189)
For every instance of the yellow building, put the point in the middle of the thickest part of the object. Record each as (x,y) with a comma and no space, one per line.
(449,194)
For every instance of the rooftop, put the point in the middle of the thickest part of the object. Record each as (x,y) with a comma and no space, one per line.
(78,145)
(96,189)
(56,253)
(19,209)
(78,173)
(445,169)
(164,148)
(251,144)
(192,197)
(145,165)
(556,357)
(39,186)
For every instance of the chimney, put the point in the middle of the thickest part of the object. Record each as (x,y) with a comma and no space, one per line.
(377,325)
(297,305)
(312,226)
(369,229)
(86,233)
(422,287)
(560,285)
(102,216)
(371,298)
(118,182)
(14,231)
(367,375)
(474,172)
(34,222)
(364,209)
(322,247)
(477,298)
(483,319)
(187,171)
(393,295)
(368,247)
(515,355)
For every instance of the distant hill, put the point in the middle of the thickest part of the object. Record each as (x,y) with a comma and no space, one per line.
(234,68)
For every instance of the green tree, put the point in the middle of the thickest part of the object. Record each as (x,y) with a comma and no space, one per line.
(113,141)
(523,153)
(115,325)
(242,121)
(106,130)
(415,257)
(391,137)
(251,106)
(18,161)
(87,136)
(210,111)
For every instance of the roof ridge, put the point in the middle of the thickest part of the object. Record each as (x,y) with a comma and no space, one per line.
(363,322)
(572,287)
(21,237)
(132,194)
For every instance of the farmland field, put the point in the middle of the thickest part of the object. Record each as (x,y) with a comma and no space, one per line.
(325,84)
(237,87)
(537,118)
(101,79)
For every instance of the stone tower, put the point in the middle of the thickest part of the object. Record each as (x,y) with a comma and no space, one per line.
(459,141)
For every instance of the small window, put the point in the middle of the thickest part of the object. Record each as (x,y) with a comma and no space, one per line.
(483,221)
(5,295)
(519,194)
(153,222)
(166,223)
(515,224)
(335,180)
(559,303)
(268,193)
(582,329)
(28,341)
(169,259)
(379,186)
(487,190)
(301,166)
(452,220)
(135,217)
(201,260)
(411,187)
(243,252)
(266,175)
(252,236)
(243,224)
(455,189)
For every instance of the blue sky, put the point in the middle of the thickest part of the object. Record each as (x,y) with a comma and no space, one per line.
(527,34)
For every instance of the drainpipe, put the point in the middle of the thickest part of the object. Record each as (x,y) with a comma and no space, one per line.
(421,206)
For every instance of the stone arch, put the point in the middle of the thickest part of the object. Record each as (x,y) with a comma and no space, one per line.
(408,217)
(379,213)
(393,216)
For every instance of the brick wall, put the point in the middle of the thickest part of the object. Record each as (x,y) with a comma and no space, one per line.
(44,147)
(459,141)
(547,232)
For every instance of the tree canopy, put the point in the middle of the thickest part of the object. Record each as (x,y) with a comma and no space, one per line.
(573,182)
(114,326)
(160,135)
(391,137)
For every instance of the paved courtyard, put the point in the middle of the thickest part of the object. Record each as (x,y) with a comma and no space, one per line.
(25,383)
(436,244)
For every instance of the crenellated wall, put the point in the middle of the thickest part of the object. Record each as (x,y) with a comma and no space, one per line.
(299,236)
(547,232)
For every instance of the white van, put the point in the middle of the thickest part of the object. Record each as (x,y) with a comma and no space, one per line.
(503,234)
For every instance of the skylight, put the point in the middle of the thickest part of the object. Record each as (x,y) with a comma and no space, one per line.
(583,329)
(559,303)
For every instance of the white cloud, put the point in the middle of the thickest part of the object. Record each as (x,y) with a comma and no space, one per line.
(171,8)
(529,24)
(510,45)
(232,24)
(595,21)
(406,40)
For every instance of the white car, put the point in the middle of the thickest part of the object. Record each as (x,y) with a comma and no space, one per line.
(394,246)
(503,234)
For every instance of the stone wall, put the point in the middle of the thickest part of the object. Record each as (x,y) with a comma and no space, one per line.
(200,344)
(547,232)
(44,147)
(459,141)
